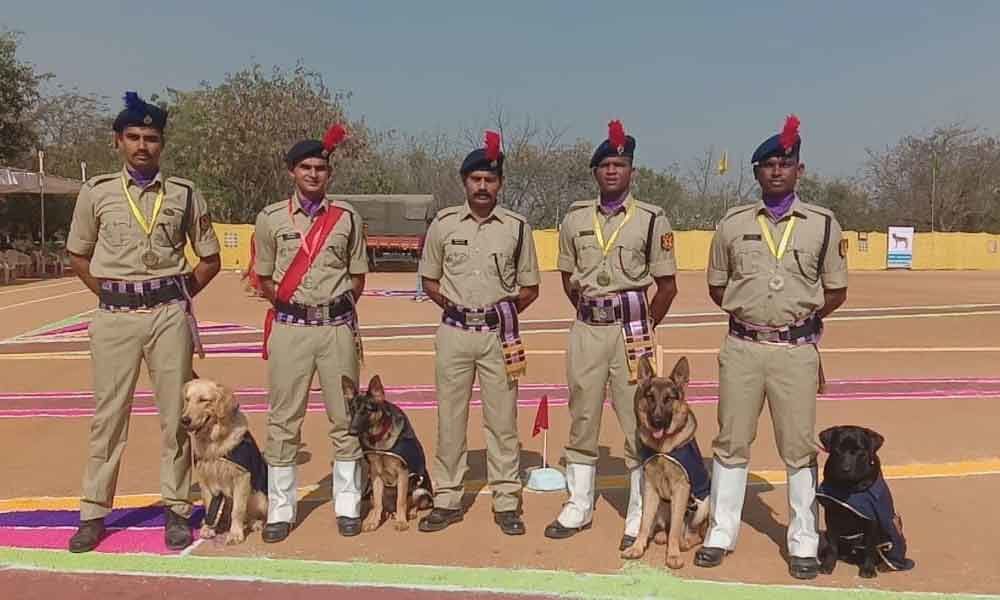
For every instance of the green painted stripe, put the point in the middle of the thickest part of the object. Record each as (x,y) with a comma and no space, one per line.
(635,581)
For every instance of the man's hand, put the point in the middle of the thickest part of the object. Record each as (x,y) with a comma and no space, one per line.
(666,291)
(81,266)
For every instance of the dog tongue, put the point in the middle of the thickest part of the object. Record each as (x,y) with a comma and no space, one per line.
(657,434)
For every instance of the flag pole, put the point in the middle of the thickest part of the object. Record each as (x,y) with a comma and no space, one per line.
(545,448)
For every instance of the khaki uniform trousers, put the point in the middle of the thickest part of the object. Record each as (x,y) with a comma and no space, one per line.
(459,355)
(788,377)
(119,341)
(296,354)
(595,358)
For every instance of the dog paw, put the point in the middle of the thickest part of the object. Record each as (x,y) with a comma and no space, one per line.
(634,551)
(867,572)
(206,532)
(690,540)
(234,537)
(399,525)
(660,538)
(371,524)
(826,566)
(675,562)
(257,526)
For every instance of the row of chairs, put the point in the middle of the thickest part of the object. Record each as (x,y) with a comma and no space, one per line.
(15,265)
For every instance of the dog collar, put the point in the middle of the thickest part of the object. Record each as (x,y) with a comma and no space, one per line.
(385,429)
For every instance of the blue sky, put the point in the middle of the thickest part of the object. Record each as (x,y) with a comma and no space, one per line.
(681,76)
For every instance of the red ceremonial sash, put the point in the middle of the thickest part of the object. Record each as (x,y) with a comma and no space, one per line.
(310,248)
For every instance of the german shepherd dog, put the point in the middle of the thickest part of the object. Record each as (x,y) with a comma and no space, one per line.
(396,459)
(228,465)
(862,526)
(665,424)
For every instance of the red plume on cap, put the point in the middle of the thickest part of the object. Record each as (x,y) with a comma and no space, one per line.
(491,143)
(616,135)
(334,135)
(789,133)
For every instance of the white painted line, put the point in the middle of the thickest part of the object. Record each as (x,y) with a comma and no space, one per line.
(45,299)
(31,288)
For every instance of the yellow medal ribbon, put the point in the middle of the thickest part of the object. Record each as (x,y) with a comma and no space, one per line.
(147,227)
(599,232)
(787,235)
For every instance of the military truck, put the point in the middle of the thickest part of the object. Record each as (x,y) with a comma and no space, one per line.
(395,224)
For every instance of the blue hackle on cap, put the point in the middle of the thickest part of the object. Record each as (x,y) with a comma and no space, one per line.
(133,101)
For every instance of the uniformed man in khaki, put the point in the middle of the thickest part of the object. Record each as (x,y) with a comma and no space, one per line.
(611,250)
(126,243)
(479,265)
(778,268)
(311,263)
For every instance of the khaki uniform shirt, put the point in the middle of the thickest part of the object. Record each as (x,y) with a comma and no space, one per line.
(627,264)
(278,236)
(105,229)
(474,261)
(741,261)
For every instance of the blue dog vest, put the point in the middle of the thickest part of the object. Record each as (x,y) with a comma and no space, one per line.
(872,504)
(688,458)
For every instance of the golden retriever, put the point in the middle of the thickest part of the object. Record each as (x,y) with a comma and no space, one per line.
(227,463)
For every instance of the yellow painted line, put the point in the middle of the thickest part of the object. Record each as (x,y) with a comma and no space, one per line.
(314,493)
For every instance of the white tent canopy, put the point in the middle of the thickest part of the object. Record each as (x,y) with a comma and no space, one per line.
(17,181)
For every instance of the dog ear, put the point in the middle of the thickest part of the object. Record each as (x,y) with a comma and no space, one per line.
(875,438)
(187,386)
(225,406)
(350,388)
(681,373)
(646,371)
(826,437)
(375,389)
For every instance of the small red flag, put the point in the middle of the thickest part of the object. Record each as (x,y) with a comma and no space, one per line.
(542,416)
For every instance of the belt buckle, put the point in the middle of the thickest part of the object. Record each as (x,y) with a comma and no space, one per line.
(602,314)
(475,319)
(769,336)
(315,313)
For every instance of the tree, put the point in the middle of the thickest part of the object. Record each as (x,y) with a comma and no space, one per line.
(74,127)
(232,138)
(18,97)
(947,180)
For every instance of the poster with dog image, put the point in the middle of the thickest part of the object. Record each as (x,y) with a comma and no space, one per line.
(900,251)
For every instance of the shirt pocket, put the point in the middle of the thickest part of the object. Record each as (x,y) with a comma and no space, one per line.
(336,250)
(632,259)
(804,261)
(588,253)
(747,258)
(167,230)
(288,243)
(501,265)
(456,258)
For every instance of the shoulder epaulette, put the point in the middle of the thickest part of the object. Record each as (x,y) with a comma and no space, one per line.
(738,210)
(270,209)
(447,212)
(581,204)
(99,179)
(181,182)
(514,215)
(344,205)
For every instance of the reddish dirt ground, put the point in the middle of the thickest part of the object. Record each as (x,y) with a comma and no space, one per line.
(939,514)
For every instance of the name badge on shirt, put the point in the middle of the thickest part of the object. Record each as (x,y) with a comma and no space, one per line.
(460,242)
(585,232)
(290,236)
(752,237)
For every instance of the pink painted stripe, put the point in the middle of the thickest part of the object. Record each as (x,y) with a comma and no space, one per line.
(406,389)
(148,541)
(31,413)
